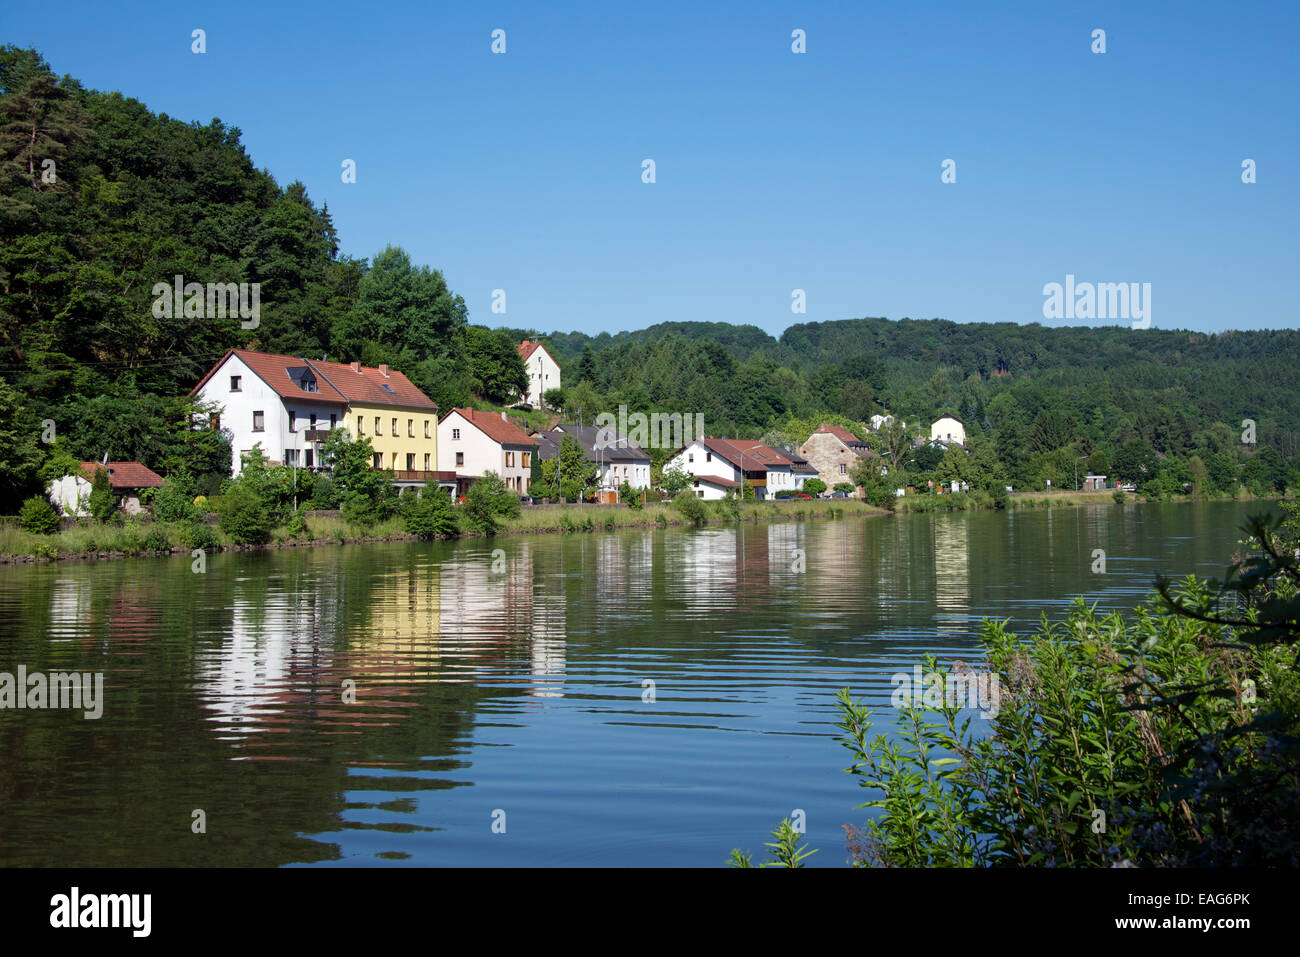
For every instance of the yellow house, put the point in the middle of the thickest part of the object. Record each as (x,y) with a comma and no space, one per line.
(400,421)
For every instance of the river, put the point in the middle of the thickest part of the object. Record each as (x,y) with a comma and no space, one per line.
(649,698)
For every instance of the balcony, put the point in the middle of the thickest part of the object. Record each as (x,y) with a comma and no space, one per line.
(421,475)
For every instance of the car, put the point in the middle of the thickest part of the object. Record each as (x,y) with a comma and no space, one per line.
(526,500)
(803,495)
(839,494)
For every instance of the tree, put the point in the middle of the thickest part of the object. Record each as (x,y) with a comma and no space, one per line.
(39,516)
(673,480)
(1136,461)
(102,503)
(494,362)
(554,399)
(895,441)
(814,486)
(243,516)
(366,493)
(19,452)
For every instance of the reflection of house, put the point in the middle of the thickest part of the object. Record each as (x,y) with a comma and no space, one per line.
(72,492)
(948,431)
(951,573)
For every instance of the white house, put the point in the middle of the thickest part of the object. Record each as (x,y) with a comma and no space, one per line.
(271,399)
(473,443)
(543,371)
(948,430)
(617,459)
(735,461)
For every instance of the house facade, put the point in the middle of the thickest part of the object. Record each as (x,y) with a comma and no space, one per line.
(473,443)
(834,452)
(734,461)
(617,460)
(543,371)
(948,430)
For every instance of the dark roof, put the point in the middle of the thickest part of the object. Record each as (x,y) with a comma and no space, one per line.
(717,480)
(604,444)
(801,466)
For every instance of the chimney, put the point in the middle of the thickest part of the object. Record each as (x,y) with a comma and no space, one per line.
(356,367)
(383,371)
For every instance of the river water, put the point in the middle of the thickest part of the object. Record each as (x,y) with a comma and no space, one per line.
(650,698)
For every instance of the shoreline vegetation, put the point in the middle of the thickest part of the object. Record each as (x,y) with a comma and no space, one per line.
(89,540)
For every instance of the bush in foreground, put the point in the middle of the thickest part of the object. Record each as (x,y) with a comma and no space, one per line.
(39,516)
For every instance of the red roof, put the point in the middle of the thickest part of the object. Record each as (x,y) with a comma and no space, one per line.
(746,454)
(382,386)
(126,474)
(494,427)
(527,348)
(841,433)
(336,382)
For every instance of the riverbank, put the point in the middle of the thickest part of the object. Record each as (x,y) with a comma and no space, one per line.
(90,541)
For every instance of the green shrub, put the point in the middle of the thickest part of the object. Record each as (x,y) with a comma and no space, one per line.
(102,502)
(201,504)
(39,516)
(360,512)
(297,528)
(814,487)
(171,504)
(691,506)
(244,518)
(199,535)
(155,540)
(487,500)
(1119,496)
(431,515)
(45,550)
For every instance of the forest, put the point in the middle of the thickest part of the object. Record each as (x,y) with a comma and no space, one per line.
(101,199)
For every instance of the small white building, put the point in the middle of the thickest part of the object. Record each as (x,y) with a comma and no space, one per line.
(735,461)
(948,430)
(70,494)
(472,443)
(543,371)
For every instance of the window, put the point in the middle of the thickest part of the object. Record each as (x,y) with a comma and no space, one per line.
(426,461)
(410,461)
(291,457)
(361,426)
(259,422)
(844,469)
(526,459)
(410,428)
(313,421)
(460,459)
(293,421)
(700,493)
(379,460)
(394,426)
(708,456)
(310,459)
(426,428)
(379,427)
(690,456)
(510,459)
(455,435)
(234,383)
(332,414)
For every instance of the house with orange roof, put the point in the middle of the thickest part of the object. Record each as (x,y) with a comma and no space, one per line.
(473,443)
(288,405)
(834,452)
(543,371)
(721,465)
(71,493)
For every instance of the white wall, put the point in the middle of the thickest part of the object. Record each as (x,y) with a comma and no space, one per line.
(948,429)
(697,459)
(482,453)
(543,375)
(237,410)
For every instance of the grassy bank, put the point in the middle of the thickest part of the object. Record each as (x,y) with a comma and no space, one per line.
(94,541)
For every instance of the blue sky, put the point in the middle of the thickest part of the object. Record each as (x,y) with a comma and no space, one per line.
(775,170)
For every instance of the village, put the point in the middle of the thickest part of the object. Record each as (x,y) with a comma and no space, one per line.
(285,407)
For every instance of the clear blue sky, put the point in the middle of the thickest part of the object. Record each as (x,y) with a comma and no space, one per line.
(775,171)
